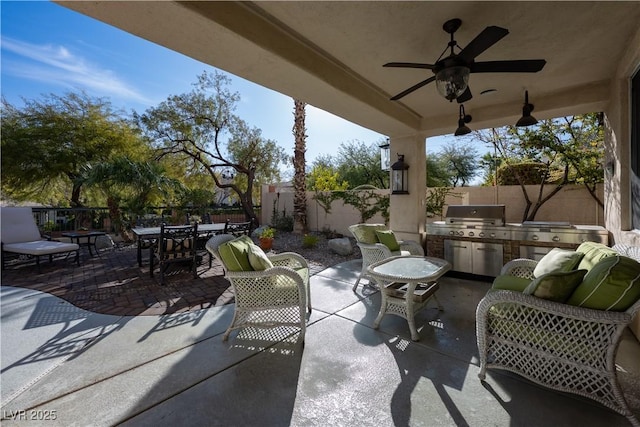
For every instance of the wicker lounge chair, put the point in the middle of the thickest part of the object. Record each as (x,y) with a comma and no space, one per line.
(373,250)
(275,294)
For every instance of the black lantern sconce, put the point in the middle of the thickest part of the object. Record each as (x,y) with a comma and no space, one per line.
(385,156)
(400,176)
(527,119)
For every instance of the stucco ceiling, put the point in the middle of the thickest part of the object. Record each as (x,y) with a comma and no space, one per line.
(330,54)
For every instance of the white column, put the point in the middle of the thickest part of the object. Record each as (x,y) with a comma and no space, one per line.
(407,211)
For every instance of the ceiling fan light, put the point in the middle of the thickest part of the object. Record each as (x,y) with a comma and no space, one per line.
(527,119)
(451,82)
(463,129)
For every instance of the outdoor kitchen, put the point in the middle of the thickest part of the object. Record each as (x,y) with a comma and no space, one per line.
(477,240)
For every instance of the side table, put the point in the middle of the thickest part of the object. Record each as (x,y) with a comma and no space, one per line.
(78,235)
(406,284)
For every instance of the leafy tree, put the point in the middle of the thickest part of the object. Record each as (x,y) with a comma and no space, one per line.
(129,184)
(557,152)
(46,143)
(324,181)
(201,125)
(359,164)
(438,174)
(462,162)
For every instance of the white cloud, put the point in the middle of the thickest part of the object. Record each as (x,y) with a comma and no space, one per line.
(58,65)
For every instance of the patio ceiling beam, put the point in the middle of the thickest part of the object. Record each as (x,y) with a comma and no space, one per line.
(251,22)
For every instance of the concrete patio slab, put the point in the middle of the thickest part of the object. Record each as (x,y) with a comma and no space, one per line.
(176,370)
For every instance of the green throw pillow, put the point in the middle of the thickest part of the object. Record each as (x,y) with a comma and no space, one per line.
(387,238)
(593,252)
(366,233)
(235,254)
(612,284)
(258,259)
(557,260)
(555,286)
(510,283)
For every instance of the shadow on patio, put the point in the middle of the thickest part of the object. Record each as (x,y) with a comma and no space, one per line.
(175,368)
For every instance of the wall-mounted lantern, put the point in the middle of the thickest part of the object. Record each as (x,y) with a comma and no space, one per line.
(400,176)
(385,156)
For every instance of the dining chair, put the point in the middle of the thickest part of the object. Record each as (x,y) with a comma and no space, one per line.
(176,245)
(238,228)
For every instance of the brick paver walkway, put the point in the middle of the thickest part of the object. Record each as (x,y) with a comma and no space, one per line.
(112,283)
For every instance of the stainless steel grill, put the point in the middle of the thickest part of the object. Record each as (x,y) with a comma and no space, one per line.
(488,222)
(468,225)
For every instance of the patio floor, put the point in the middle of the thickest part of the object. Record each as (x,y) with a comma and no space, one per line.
(86,368)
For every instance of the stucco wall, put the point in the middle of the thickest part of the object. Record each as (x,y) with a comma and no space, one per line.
(573,204)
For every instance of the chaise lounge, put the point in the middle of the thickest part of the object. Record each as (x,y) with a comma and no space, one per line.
(20,235)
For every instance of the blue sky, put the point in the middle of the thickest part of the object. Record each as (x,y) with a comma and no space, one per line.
(47,48)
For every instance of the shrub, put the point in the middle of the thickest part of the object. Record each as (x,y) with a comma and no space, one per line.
(309,241)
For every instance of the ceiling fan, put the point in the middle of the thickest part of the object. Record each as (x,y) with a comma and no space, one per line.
(451,73)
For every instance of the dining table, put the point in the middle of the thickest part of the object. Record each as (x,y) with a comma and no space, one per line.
(149,235)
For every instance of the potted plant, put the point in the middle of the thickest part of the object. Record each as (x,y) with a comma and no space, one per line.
(266,238)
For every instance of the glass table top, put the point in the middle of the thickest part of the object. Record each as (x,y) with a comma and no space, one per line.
(411,267)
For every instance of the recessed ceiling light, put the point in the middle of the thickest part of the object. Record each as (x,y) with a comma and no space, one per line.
(486,91)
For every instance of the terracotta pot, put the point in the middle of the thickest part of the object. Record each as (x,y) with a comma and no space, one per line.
(266,243)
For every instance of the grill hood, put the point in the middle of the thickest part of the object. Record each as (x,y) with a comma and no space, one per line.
(476,215)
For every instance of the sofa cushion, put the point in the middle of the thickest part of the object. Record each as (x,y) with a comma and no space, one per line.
(387,238)
(612,284)
(258,259)
(366,233)
(235,254)
(555,286)
(593,252)
(510,283)
(557,260)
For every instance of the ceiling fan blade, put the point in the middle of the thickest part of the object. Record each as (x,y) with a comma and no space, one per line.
(482,42)
(516,66)
(466,96)
(408,65)
(413,88)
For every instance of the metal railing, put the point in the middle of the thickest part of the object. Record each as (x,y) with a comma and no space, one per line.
(56,219)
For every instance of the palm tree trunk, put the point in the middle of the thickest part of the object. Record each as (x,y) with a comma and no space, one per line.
(299,185)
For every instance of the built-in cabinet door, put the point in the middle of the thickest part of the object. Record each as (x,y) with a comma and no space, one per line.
(459,254)
(487,258)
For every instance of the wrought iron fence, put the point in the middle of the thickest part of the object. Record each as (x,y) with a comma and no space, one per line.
(52,220)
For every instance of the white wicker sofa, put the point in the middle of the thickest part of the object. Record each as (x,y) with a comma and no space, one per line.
(564,340)
(20,235)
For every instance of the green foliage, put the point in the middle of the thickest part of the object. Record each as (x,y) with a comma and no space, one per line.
(556,152)
(201,126)
(525,173)
(267,233)
(324,178)
(309,241)
(438,174)
(436,198)
(366,201)
(46,143)
(359,164)
(461,162)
